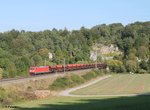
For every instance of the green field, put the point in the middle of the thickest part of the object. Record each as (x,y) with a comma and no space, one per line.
(118,84)
(99,103)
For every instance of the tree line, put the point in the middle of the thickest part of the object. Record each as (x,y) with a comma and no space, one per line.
(21,49)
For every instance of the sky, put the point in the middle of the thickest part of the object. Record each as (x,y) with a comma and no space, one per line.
(38,15)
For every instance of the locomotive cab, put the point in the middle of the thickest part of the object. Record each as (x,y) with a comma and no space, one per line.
(39,70)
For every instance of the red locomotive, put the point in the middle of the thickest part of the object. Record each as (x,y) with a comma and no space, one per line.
(60,68)
(40,69)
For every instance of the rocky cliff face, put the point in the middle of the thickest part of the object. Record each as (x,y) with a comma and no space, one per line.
(103,51)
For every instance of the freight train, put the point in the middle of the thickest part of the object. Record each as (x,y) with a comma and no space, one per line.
(35,70)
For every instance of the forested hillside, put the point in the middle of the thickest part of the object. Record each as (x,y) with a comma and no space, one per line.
(20,49)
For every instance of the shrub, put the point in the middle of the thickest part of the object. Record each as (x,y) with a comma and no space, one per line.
(142,71)
(9,96)
(77,79)
(4,97)
(1,73)
(89,75)
(99,72)
(66,82)
(131,66)
(73,80)
(116,66)
(60,83)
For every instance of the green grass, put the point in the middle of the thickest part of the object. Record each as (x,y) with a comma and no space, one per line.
(119,84)
(68,103)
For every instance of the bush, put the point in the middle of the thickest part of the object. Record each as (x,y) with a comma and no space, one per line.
(60,83)
(66,82)
(4,97)
(116,66)
(99,72)
(73,80)
(77,79)
(142,71)
(9,96)
(89,75)
(1,73)
(131,66)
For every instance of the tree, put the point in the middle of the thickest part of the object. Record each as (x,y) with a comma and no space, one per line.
(132,56)
(12,71)
(144,65)
(8,67)
(133,51)
(131,66)
(44,53)
(1,73)
(22,65)
(37,60)
(143,52)
(148,64)
(116,66)
(21,49)
(127,44)
(65,32)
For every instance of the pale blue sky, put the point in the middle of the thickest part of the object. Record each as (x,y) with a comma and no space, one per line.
(37,15)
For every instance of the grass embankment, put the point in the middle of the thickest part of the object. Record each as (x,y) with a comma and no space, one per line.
(9,96)
(138,102)
(15,94)
(69,81)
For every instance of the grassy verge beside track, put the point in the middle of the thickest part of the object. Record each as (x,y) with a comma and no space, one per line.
(15,93)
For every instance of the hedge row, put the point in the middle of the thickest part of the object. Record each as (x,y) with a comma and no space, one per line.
(66,82)
(74,80)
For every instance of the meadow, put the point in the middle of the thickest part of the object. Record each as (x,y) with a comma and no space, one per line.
(117,84)
(99,103)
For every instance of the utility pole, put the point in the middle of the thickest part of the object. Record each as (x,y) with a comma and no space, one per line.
(45,62)
(96,60)
(64,65)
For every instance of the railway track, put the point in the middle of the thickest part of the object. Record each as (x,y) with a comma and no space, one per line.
(11,79)
(39,76)
(29,77)
(33,71)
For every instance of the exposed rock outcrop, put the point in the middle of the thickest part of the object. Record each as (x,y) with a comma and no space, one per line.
(102,50)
